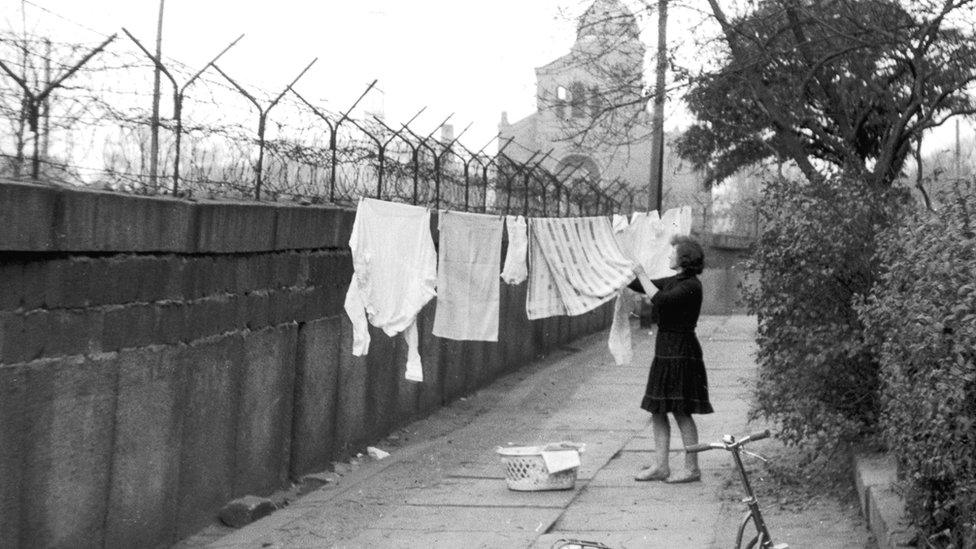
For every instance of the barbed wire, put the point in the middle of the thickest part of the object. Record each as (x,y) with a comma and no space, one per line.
(222,137)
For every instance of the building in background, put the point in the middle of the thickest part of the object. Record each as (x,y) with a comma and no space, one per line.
(604,67)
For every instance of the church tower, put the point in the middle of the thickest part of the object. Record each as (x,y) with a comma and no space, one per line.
(604,67)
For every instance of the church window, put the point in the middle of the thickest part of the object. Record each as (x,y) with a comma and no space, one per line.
(577,100)
(562,95)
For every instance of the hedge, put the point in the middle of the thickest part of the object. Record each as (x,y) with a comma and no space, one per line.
(817,379)
(920,321)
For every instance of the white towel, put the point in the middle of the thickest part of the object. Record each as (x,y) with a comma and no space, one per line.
(575,265)
(515,271)
(467,285)
(394,274)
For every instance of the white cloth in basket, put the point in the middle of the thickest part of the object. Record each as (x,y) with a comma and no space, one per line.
(560,460)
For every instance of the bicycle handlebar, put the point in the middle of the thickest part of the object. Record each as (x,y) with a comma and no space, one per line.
(723,446)
(703,447)
(756,436)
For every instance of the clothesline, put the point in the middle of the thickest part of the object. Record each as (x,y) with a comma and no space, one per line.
(438,211)
(573,265)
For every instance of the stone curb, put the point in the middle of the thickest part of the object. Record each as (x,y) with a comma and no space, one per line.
(882,505)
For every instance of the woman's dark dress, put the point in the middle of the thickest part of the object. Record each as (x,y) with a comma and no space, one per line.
(677,381)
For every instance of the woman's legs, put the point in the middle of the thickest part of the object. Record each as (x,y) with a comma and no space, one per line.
(689,436)
(662,446)
(662,441)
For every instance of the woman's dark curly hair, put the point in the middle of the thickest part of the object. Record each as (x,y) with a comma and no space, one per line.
(691,257)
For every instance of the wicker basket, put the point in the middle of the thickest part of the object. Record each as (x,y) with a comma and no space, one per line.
(525,470)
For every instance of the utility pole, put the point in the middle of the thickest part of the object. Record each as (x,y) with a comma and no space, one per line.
(154,123)
(656,189)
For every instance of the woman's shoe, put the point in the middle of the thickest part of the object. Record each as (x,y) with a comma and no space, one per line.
(684,476)
(651,473)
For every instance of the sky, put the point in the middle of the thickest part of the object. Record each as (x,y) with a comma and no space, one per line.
(472,59)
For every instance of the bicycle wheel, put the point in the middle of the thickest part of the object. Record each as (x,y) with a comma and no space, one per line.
(758,542)
(742,530)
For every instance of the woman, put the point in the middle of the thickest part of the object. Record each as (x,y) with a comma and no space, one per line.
(677,383)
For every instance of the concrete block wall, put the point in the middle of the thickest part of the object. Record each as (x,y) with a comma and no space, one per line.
(160,357)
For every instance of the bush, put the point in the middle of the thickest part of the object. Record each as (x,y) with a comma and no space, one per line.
(920,321)
(817,379)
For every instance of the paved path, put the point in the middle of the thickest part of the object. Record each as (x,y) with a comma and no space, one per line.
(443,486)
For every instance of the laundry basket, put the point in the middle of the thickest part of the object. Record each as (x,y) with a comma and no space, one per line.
(526,471)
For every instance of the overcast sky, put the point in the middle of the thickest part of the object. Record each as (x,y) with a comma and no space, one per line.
(475,59)
(472,58)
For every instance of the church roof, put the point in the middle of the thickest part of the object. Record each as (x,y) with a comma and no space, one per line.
(607,17)
(558,64)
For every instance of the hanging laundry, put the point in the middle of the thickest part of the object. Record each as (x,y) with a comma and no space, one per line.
(627,237)
(515,271)
(575,265)
(619,223)
(394,274)
(678,220)
(620,342)
(467,285)
(648,240)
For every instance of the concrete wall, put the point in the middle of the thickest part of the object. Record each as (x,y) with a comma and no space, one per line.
(159,357)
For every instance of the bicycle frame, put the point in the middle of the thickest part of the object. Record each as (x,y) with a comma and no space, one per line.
(762,539)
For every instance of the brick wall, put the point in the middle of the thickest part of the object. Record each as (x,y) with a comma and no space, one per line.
(159,357)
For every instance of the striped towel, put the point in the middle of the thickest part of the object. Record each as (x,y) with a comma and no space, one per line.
(575,266)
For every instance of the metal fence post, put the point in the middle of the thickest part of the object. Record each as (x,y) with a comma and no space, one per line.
(34,100)
(262,119)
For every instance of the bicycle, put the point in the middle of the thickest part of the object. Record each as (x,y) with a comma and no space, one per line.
(762,540)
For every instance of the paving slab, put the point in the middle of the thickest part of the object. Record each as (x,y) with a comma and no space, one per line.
(433,519)
(371,539)
(616,508)
(446,488)
(596,419)
(621,471)
(642,538)
(487,492)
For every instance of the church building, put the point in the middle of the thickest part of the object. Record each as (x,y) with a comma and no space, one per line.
(592,111)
